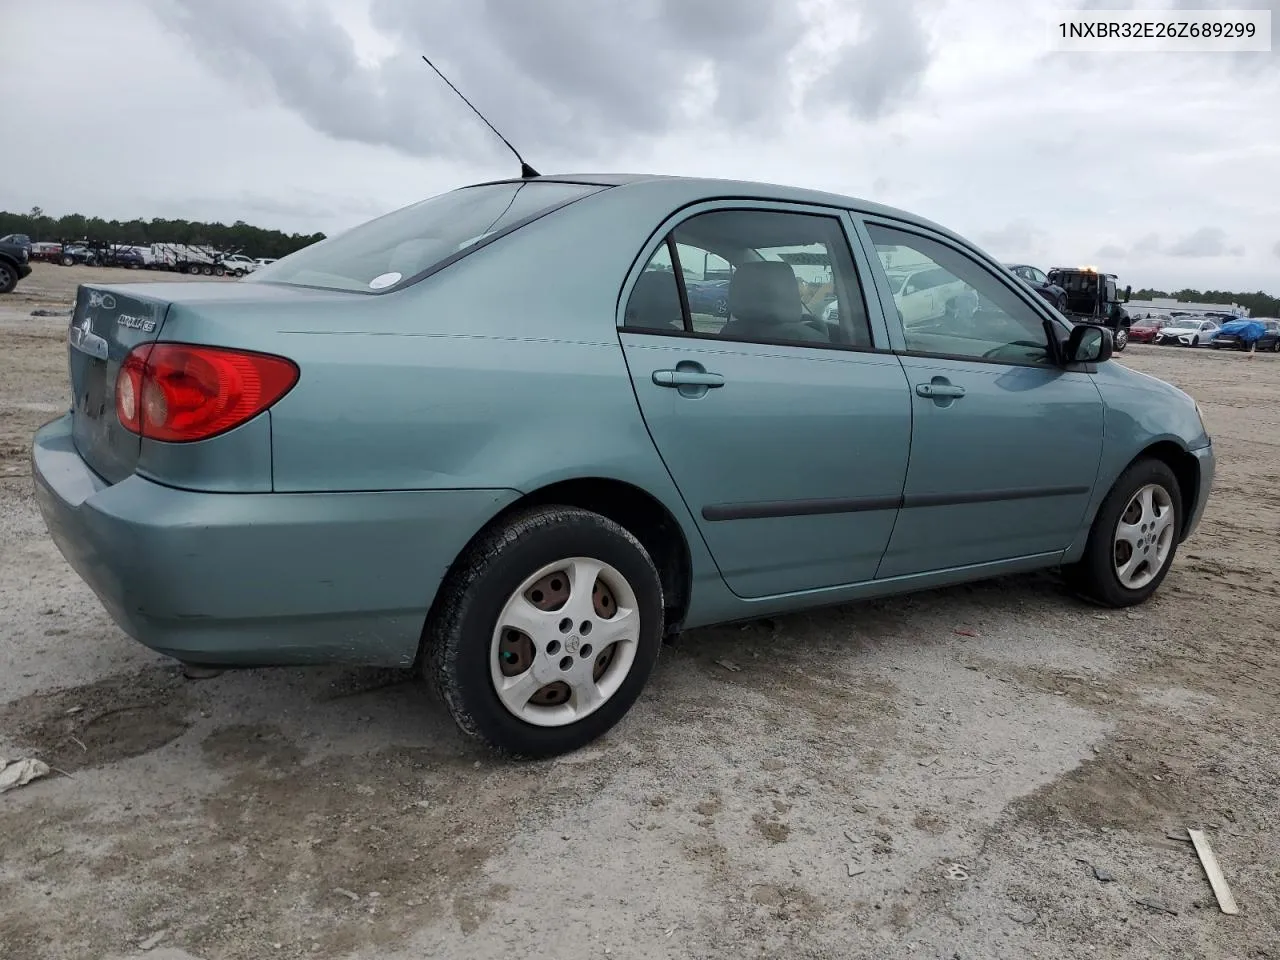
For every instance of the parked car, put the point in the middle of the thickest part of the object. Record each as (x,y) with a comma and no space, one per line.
(524,503)
(708,296)
(73,253)
(17,240)
(264,261)
(1145,330)
(14,264)
(122,257)
(1187,332)
(1042,285)
(238,265)
(1262,332)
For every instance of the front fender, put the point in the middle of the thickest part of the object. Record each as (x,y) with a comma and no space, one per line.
(1142,415)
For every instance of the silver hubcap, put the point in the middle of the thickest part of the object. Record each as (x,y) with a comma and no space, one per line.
(1144,537)
(564,642)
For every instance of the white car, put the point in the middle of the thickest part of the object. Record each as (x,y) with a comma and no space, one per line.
(263,261)
(922,295)
(239,265)
(1187,332)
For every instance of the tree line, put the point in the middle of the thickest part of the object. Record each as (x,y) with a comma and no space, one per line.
(1259,304)
(239,237)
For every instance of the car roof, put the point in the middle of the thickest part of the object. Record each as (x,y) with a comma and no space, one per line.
(712,188)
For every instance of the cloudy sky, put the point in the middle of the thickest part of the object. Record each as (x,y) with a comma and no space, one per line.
(317,114)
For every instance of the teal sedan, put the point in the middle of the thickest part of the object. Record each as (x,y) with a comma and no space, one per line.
(487,438)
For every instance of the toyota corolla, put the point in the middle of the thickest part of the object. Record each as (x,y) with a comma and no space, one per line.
(485,437)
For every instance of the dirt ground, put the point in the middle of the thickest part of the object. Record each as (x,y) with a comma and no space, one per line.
(990,771)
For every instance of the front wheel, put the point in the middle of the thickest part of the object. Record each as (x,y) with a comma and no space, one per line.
(1060,304)
(8,278)
(1133,539)
(1195,341)
(1120,340)
(545,631)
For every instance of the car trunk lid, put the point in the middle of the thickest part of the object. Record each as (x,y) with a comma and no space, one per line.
(106,324)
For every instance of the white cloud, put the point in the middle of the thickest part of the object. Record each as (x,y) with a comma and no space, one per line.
(314,114)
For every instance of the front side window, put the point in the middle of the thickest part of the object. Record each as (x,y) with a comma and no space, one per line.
(957,308)
(393,250)
(759,275)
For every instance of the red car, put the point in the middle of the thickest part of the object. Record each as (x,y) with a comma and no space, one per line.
(1144,331)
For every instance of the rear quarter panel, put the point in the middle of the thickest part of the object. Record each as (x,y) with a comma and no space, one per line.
(502,371)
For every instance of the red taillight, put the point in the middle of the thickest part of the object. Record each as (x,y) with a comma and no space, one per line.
(178,392)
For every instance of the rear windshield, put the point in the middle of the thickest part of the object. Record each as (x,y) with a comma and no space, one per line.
(398,248)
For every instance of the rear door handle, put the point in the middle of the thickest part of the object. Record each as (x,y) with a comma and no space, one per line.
(687,378)
(939,391)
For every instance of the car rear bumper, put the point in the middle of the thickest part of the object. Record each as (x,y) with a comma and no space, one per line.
(1208,466)
(256,579)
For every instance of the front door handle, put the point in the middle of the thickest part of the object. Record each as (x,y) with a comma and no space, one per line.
(939,391)
(687,378)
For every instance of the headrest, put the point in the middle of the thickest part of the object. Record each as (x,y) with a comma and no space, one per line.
(765,292)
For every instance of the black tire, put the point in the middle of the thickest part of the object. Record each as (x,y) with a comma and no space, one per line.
(458,635)
(8,278)
(1120,340)
(68,261)
(1275,347)
(1195,341)
(219,271)
(1060,304)
(1094,576)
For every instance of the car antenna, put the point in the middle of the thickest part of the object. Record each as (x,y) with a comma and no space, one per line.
(526,171)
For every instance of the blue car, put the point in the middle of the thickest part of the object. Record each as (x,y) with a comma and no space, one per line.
(483,438)
(708,296)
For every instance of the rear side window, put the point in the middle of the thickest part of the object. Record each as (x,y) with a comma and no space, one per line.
(400,247)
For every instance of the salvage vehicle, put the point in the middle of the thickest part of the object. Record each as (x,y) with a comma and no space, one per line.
(1188,331)
(1146,329)
(14,264)
(1041,284)
(1094,298)
(1260,333)
(481,437)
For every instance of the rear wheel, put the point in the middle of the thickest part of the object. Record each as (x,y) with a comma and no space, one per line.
(1133,539)
(1060,304)
(546,630)
(1121,339)
(68,261)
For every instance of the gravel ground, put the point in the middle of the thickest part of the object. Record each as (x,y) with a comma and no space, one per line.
(990,771)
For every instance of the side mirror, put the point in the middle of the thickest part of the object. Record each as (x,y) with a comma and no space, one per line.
(1089,344)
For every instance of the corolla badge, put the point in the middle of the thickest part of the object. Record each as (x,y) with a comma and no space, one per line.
(136,323)
(104,300)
